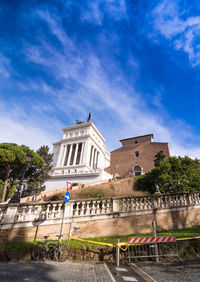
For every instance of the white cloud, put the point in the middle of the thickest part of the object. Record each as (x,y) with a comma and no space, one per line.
(4,66)
(95,10)
(16,126)
(183,32)
(121,112)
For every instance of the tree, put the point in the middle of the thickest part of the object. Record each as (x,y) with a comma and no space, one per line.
(36,182)
(159,157)
(174,174)
(14,165)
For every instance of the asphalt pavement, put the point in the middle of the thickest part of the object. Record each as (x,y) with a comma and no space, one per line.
(187,270)
(54,271)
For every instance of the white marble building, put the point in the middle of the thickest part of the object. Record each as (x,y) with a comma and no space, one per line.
(80,157)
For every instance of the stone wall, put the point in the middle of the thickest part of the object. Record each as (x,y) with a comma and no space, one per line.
(99,217)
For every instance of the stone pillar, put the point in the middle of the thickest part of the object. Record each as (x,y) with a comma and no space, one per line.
(86,153)
(63,156)
(60,156)
(11,212)
(94,160)
(68,210)
(82,151)
(116,205)
(75,155)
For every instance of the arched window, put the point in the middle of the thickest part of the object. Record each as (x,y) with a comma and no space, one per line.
(137,170)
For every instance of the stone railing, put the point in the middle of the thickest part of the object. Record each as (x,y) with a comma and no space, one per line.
(89,209)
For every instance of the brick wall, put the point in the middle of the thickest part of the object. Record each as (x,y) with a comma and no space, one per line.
(124,159)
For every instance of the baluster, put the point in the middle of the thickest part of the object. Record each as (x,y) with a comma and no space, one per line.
(36,213)
(98,210)
(76,213)
(93,209)
(104,202)
(29,215)
(132,204)
(82,208)
(59,211)
(21,216)
(47,212)
(87,212)
(108,206)
(139,203)
(53,212)
(24,213)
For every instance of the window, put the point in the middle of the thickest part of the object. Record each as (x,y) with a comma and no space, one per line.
(137,154)
(137,170)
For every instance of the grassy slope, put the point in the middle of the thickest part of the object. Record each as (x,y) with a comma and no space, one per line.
(181,233)
(123,187)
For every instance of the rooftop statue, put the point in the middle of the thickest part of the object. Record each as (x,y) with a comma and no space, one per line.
(79,122)
(89,117)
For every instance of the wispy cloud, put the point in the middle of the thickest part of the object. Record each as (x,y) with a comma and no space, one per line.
(174,24)
(96,91)
(18,127)
(95,11)
(4,66)
(82,82)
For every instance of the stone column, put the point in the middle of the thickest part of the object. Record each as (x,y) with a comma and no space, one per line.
(86,153)
(82,151)
(63,156)
(60,156)
(75,154)
(94,159)
(11,212)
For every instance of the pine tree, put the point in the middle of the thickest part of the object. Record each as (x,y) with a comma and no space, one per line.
(36,182)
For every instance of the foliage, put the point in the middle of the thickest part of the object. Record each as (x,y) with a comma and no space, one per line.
(174,174)
(159,157)
(14,166)
(39,176)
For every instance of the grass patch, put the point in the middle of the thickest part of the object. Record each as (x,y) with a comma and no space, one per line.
(182,233)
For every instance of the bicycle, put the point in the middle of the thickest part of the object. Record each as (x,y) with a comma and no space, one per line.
(61,251)
(41,251)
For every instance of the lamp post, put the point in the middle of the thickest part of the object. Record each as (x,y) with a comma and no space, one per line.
(16,197)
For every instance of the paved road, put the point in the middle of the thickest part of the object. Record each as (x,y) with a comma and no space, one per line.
(53,272)
(181,271)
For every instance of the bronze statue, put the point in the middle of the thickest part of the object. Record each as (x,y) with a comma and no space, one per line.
(89,117)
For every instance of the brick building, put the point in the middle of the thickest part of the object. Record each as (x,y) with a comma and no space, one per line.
(136,156)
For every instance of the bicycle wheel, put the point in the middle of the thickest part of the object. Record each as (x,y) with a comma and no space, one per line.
(39,252)
(61,252)
(51,248)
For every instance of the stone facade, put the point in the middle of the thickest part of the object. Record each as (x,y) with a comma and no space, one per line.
(80,157)
(136,156)
(99,217)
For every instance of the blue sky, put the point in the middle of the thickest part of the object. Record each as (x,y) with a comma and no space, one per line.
(133,64)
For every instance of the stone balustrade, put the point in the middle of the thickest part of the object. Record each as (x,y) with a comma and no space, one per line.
(93,208)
